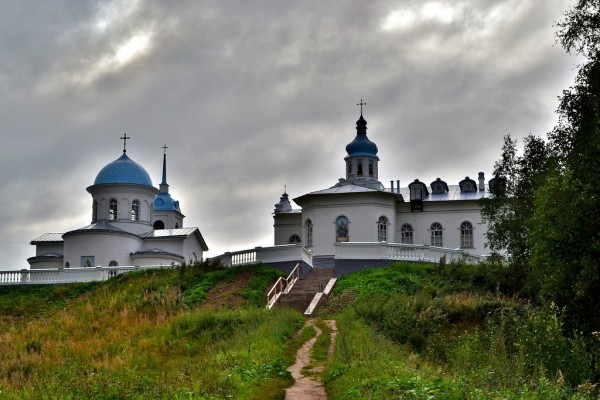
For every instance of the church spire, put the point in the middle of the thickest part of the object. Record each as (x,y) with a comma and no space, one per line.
(164,187)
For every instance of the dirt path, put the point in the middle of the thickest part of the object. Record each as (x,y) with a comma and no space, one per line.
(306,387)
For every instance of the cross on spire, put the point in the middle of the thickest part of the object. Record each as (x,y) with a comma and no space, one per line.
(165,149)
(361,104)
(124,139)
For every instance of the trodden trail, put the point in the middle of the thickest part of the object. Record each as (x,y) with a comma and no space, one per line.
(306,387)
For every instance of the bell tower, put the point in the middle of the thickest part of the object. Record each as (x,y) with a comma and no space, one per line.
(362,160)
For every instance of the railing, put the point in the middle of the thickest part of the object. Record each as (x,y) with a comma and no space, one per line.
(283,253)
(283,286)
(66,275)
(397,251)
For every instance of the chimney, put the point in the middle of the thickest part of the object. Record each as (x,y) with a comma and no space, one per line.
(392,185)
(481,182)
(398,185)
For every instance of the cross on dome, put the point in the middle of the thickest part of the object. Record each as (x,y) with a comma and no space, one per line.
(124,139)
(361,104)
(165,147)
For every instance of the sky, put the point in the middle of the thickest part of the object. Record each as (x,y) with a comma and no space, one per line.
(252,97)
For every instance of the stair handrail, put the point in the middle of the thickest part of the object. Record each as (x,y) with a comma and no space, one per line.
(280,287)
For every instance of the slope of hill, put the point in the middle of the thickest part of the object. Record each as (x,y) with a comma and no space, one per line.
(420,331)
(413,331)
(152,334)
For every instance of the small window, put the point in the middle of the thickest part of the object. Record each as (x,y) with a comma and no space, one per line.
(113,263)
(359,169)
(94,212)
(67,265)
(308,226)
(295,239)
(407,234)
(437,238)
(466,234)
(342,229)
(416,193)
(176,225)
(135,210)
(382,225)
(158,224)
(467,185)
(349,166)
(112,210)
(371,168)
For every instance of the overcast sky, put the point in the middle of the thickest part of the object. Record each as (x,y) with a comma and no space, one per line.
(250,96)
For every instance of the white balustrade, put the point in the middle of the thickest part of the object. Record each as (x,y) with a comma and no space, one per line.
(397,251)
(66,275)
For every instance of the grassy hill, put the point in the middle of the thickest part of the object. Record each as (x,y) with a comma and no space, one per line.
(411,331)
(195,332)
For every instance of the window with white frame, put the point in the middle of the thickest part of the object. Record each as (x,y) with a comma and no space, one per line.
(382,225)
(112,210)
(466,234)
(437,232)
(135,210)
(308,226)
(406,232)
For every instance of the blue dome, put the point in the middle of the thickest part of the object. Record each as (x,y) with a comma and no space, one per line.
(123,170)
(361,145)
(164,202)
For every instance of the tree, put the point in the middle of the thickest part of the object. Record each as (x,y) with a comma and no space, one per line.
(510,207)
(565,228)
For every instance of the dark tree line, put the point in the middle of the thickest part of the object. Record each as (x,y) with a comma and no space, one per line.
(544,210)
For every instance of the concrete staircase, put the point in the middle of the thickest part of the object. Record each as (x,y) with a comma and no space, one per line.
(305,289)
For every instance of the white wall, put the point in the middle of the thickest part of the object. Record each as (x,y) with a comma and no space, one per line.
(104,246)
(192,249)
(450,214)
(286,225)
(363,211)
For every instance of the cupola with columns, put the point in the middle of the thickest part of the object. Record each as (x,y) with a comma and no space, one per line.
(123,194)
(362,160)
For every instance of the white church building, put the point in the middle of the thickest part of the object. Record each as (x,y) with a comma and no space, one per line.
(360,219)
(132,224)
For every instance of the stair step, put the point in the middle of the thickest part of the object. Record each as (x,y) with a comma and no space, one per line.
(305,289)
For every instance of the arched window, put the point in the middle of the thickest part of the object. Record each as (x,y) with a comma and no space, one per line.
(67,265)
(135,210)
(176,225)
(158,224)
(295,239)
(349,166)
(466,234)
(94,212)
(113,263)
(371,168)
(359,170)
(407,234)
(112,210)
(342,229)
(308,226)
(437,238)
(382,225)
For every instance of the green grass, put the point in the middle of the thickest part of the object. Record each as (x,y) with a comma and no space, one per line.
(140,336)
(416,331)
(410,331)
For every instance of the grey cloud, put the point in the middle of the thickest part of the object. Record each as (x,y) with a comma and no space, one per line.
(252,96)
